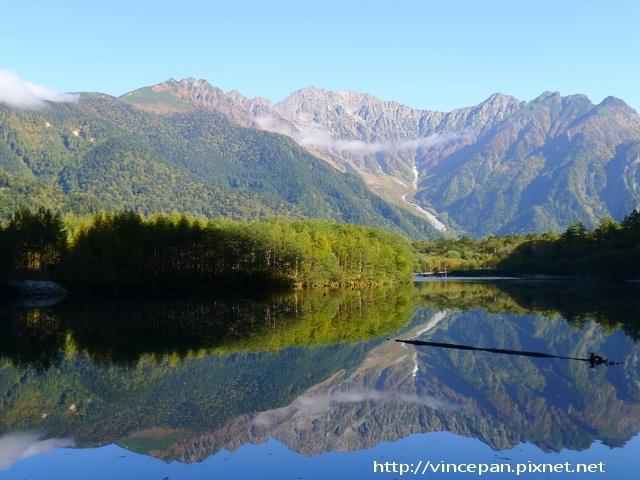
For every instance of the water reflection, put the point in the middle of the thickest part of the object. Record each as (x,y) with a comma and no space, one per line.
(19,445)
(124,331)
(149,374)
(594,360)
(285,376)
(399,390)
(612,305)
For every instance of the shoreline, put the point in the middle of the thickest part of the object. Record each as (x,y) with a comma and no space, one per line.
(32,293)
(418,278)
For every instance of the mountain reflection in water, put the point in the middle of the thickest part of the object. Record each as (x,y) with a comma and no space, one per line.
(243,372)
(593,359)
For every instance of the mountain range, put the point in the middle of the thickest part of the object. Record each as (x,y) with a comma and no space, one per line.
(503,166)
(101,153)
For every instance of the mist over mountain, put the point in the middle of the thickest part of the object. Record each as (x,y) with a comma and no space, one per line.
(502,166)
(99,153)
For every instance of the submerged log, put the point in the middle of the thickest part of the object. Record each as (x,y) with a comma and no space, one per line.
(593,359)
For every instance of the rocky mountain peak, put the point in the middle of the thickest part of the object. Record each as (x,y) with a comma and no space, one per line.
(500,98)
(447,162)
(483,116)
(343,102)
(611,101)
(578,98)
(498,102)
(200,89)
(613,104)
(546,96)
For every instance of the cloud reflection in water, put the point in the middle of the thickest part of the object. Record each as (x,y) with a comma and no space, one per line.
(20,445)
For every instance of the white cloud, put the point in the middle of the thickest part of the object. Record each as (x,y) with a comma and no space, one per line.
(310,405)
(322,139)
(19,445)
(16,92)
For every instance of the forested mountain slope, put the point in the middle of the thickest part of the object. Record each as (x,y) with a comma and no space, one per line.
(503,166)
(101,153)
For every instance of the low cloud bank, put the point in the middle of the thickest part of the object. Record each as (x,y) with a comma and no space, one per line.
(16,92)
(319,138)
(310,405)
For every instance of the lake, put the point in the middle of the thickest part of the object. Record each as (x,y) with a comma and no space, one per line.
(313,385)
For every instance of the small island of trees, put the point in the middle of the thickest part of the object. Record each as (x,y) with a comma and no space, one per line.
(125,250)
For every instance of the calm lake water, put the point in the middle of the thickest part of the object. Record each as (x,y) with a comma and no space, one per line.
(312,385)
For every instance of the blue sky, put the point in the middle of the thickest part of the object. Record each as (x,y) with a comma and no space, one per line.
(436,55)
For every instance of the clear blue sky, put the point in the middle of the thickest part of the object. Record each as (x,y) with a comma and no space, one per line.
(428,54)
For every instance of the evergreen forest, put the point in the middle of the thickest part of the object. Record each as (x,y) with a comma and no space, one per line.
(101,154)
(115,251)
(612,251)
(125,251)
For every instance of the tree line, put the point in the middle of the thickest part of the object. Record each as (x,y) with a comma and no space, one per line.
(612,250)
(126,250)
(467,253)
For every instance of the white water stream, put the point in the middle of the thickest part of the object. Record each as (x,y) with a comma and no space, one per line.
(432,218)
